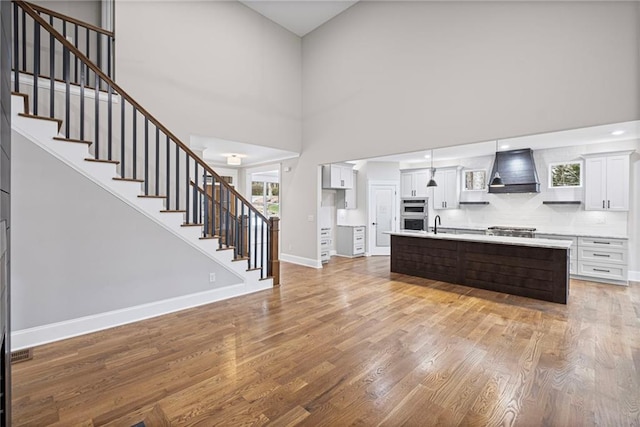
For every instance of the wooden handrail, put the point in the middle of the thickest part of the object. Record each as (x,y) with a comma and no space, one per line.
(66,43)
(70,19)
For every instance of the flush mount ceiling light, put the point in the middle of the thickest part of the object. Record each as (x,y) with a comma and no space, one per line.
(617,132)
(234,160)
(504,146)
(497,181)
(432,182)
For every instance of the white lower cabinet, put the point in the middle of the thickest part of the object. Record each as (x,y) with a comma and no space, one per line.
(604,259)
(325,244)
(350,240)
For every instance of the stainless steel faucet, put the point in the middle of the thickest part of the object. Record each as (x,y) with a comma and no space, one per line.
(436,221)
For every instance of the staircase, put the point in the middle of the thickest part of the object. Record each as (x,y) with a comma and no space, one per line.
(66,102)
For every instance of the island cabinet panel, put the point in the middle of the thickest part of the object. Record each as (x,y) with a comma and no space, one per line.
(540,273)
(534,272)
(435,259)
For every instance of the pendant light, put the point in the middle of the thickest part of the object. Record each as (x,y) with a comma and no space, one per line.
(432,182)
(497,181)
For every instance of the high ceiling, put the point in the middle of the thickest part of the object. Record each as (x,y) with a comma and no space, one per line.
(299,17)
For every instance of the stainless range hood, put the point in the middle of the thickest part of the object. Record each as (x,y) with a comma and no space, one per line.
(517,170)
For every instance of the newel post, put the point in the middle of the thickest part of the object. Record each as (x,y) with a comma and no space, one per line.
(274,223)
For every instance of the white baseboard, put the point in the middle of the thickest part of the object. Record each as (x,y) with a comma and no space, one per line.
(71,328)
(634,276)
(307,262)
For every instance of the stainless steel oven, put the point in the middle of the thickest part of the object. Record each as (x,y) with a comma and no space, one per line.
(414,223)
(414,207)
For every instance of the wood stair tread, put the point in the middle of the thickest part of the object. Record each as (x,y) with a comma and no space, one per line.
(209,237)
(241,259)
(228,248)
(151,196)
(173,211)
(128,179)
(79,141)
(91,159)
(33,116)
(191,225)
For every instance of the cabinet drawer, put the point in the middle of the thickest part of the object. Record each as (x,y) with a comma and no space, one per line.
(605,271)
(358,239)
(358,230)
(602,255)
(602,243)
(325,243)
(358,249)
(325,233)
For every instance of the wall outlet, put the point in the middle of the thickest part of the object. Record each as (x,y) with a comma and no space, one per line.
(212,277)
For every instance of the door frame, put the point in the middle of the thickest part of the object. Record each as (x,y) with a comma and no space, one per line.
(371,209)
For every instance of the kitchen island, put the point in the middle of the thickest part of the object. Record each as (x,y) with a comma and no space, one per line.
(534,268)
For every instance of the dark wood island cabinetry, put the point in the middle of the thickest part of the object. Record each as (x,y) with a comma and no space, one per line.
(533,268)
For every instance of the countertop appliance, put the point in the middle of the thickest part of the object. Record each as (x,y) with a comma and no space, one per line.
(498,230)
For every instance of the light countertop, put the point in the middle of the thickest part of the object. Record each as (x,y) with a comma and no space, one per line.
(568,233)
(500,240)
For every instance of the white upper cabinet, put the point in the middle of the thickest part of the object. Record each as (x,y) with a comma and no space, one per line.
(347,199)
(447,194)
(337,176)
(414,183)
(607,182)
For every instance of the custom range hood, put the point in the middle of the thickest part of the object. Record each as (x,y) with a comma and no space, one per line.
(517,170)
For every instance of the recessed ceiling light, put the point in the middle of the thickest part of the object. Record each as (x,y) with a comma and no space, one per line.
(617,132)
(427,156)
(504,146)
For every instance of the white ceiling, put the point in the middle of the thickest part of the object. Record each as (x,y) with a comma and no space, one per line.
(573,137)
(216,151)
(300,17)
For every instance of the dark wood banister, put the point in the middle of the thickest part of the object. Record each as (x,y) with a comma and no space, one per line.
(69,19)
(44,24)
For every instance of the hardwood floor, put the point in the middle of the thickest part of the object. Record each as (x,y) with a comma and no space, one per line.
(351,344)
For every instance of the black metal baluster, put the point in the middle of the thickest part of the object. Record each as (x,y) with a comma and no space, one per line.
(75,44)
(187,179)
(98,52)
(214,201)
(96,120)
(207,232)
(268,242)
(177,163)
(146,156)
(241,233)
(88,49)
(195,202)
(52,71)
(24,40)
(36,64)
(16,50)
(109,56)
(227,214)
(255,237)
(261,249)
(249,240)
(158,163)
(123,153)
(109,121)
(134,155)
(66,61)
(83,76)
(167,175)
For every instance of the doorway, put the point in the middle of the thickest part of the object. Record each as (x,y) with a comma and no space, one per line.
(264,188)
(382,216)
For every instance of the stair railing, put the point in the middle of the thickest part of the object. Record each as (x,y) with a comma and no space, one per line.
(125,133)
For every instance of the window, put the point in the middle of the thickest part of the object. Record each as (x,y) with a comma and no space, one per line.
(565,174)
(475,180)
(265,194)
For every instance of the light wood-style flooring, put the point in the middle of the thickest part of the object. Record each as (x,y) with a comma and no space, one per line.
(351,344)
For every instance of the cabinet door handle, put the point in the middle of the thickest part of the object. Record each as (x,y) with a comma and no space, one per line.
(608,204)
(601,243)
(603,204)
(602,255)
(604,271)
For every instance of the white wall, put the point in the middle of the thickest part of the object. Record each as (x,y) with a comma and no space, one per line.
(211,68)
(88,11)
(77,250)
(389,77)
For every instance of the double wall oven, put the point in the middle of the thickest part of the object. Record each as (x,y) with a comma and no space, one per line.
(414,213)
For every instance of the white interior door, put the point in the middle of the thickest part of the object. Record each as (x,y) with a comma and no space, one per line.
(382,217)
